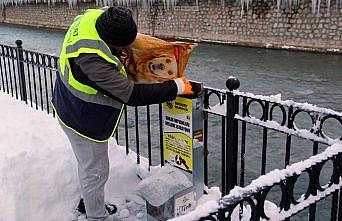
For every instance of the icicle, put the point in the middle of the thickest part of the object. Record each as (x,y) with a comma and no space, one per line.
(313,5)
(222,3)
(319,7)
(242,6)
(278,4)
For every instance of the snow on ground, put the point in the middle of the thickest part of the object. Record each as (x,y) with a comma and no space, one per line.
(38,174)
(38,177)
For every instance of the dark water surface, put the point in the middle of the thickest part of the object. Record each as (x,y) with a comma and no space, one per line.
(301,76)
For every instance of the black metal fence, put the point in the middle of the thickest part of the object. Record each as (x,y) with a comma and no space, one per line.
(235,123)
(28,75)
(272,114)
(253,197)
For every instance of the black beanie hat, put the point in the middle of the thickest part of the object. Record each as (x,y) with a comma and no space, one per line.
(116,26)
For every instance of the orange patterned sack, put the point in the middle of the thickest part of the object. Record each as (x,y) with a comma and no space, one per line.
(152,60)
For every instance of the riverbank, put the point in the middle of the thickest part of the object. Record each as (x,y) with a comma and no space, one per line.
(263,25)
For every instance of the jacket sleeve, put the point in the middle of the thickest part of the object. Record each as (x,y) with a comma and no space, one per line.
(108,79)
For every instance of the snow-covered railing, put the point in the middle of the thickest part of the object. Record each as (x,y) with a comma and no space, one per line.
(289,111)
(270,113)
(253,197)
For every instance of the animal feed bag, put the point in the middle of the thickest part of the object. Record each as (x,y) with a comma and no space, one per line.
(152,60)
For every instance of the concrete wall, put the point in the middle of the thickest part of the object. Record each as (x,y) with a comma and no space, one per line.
(261,25)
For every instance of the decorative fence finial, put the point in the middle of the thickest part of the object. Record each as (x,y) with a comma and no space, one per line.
(232,83)
(19,42)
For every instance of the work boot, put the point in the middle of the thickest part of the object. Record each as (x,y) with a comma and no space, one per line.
(111,208)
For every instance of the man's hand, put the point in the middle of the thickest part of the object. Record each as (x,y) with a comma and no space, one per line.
(124,57)
(183,86)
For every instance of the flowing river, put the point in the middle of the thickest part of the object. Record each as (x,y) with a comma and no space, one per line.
(301,76)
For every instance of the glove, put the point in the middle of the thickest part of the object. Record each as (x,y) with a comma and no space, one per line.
(183,86)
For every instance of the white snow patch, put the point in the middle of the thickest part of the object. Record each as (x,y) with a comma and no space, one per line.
(220,109)
(38,173)
(205,205)
(37,167)
(268,45)
(277,99)
(275,176)
(288,47)
(334,50)
(298,132)
(305,203)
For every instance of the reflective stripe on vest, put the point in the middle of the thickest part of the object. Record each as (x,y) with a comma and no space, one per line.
(82,37)
(87,42)
(98,98)
(91,44)
(84,136)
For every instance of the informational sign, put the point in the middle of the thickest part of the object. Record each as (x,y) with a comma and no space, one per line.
(178,133)
(184,204)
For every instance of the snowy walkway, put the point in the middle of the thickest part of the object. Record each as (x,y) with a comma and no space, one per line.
(38,175)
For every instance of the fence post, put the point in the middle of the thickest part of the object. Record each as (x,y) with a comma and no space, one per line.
(231,134)
(21,73)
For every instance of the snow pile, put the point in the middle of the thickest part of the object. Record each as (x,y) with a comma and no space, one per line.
(38,174)
(163,185)
(205,205)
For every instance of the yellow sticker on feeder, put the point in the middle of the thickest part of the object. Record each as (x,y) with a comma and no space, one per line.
(178,133)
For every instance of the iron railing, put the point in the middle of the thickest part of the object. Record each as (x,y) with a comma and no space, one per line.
(28,75)
(274,115)
(230,159)
(253,197)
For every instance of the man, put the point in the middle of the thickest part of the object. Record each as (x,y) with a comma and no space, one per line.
(91,90)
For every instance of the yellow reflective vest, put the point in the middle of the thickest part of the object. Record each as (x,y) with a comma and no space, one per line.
(80,107)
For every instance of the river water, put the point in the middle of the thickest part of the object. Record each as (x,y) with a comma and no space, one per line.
(301,76)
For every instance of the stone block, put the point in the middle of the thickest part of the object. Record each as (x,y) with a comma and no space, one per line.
(337,38)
